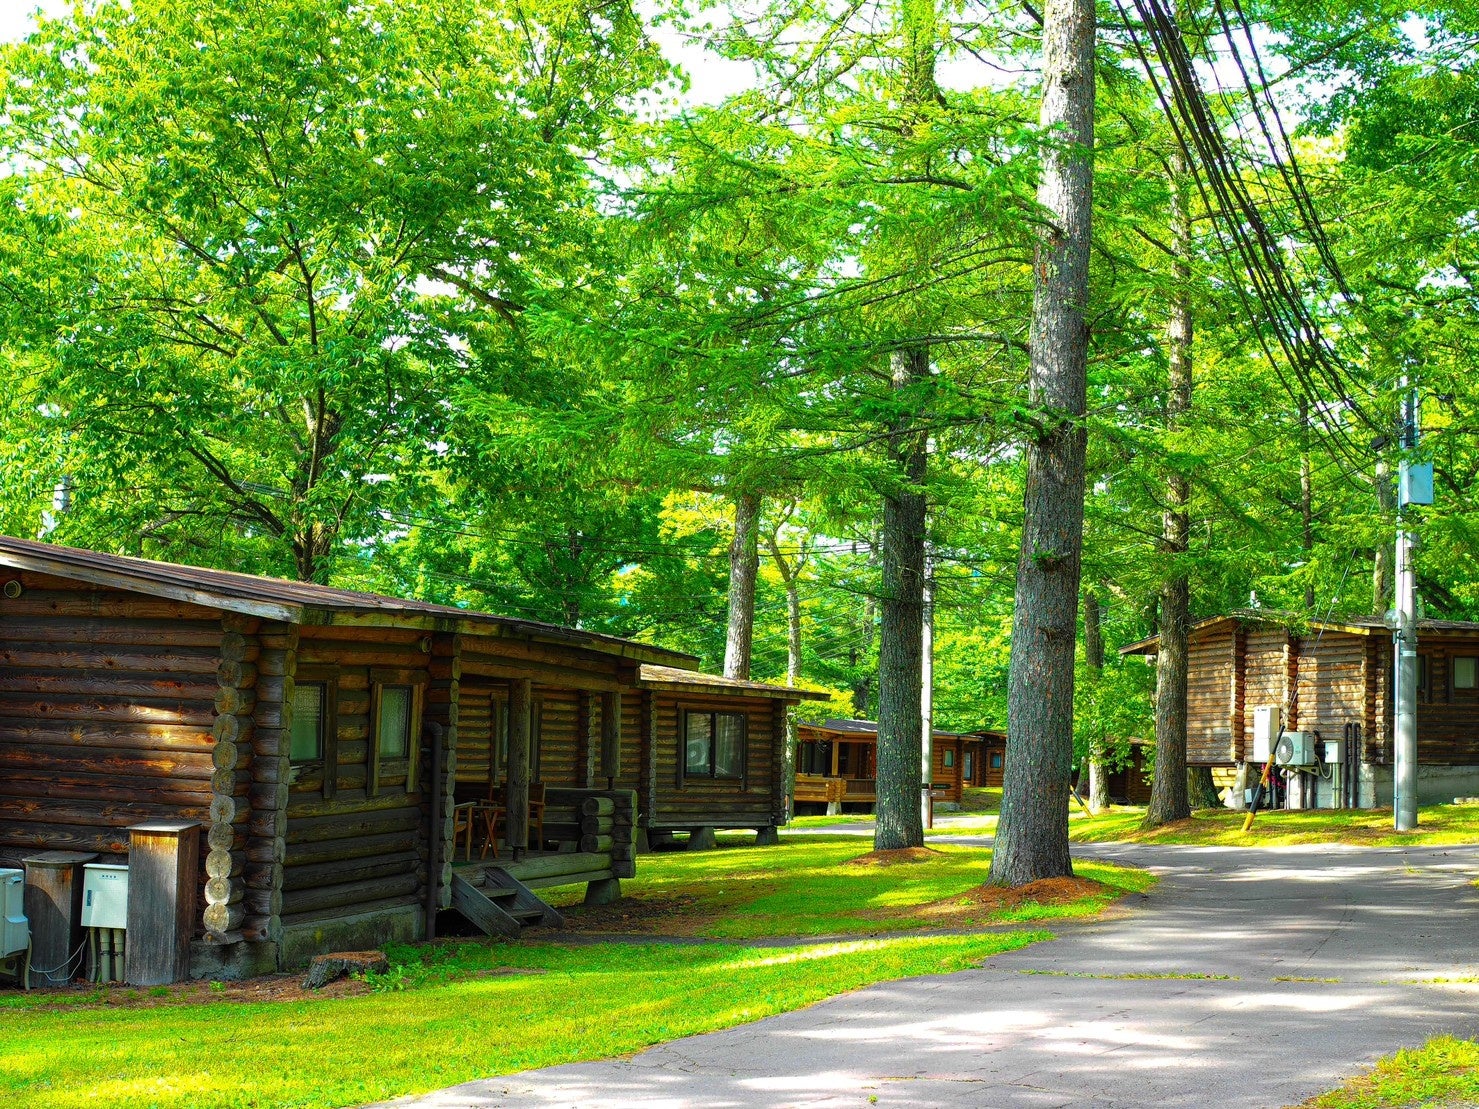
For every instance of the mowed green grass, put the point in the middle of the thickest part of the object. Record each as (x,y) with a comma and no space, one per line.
(456,1021)
(1442,1073)
(1437,825)
(457,1011)
(814,886)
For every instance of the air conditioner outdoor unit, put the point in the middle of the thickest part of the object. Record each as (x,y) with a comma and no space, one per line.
(104,896)
(15,932)
(1296,749)
(1265,727)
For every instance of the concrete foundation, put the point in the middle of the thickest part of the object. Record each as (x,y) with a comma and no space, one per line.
(232,962)
(701,839)
(767,837)
(358,932)
(603,892)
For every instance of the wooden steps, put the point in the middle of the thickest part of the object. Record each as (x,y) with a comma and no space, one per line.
(500,905)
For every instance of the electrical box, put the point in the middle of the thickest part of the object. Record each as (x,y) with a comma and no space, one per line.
(104,896)
(1296,749)
(1334,751)
(15,931)
(1415,482)
(1265,727)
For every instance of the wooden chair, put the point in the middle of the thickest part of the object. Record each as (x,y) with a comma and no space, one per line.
(464,816)
(536,812)
(491,815)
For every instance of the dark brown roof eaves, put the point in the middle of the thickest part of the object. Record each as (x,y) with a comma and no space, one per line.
(299,602)
(1353,625)
(672,678)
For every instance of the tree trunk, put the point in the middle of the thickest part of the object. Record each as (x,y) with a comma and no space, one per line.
(901,629)
(744,568)
(1032,835)
(1168,794)
(862,687)
(1201,790)
(1306,504)
(1383,571)
(1094,657)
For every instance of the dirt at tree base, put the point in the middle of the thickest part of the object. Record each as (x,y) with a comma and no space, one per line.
(896,856)
(1044,891)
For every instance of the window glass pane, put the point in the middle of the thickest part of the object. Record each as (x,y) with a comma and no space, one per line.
(949,758)
(1465,673)
(307,742)
(696,731)
(394,725)
(995,762)
(729,745)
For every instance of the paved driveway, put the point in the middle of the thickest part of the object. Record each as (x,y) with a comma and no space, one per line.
(1326,951)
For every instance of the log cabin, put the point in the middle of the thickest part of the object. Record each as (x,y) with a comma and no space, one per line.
(1333,677)
(836,760)
(309,747)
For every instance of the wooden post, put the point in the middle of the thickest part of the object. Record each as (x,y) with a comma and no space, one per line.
(647,756)
(53,900)
(586,744)
(163,870)
(520,709)
(610,738)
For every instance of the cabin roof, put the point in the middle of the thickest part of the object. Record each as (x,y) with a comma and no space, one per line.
(299,602)
(1352,625)
(868,729)
(673,678)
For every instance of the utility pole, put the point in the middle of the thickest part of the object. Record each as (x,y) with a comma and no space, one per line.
(927,697)
(1415,486)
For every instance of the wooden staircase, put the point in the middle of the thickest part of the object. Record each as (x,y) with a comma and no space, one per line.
(498,903)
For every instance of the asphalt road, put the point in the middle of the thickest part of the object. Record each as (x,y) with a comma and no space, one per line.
(1329,955)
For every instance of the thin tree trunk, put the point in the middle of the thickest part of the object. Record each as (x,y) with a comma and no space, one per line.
(862,687)
(1306,503)
(1094,657)
(744,568)
(1168,793)
(1384,571)
(1032,835)
(901,629)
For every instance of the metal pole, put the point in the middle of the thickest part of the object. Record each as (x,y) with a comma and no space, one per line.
(1404,685)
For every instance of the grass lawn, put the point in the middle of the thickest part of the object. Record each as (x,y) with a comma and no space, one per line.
(464,1009)
(1444,1072)
(1437,825)
(442,1016)
(824,885)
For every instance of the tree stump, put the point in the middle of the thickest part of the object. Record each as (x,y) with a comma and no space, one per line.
(338,964)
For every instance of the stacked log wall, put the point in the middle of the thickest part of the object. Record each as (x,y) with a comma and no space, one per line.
(364,848)
(1211,696)
(266,832)
(1331,682)
(715,802)
(107,701)
(1447,717)
(228,901)
(1265,677)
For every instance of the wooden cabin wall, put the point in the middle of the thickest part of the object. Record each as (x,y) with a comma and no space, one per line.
(714,802)
(1331,675)
(354,852)
(1212,698)
(944,777)
(1447,718)
(1266,661)
(107,701)
(475,705)
(559,735)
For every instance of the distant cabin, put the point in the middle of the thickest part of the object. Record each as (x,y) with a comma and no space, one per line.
(1334,678)
(308,747)
(836,763)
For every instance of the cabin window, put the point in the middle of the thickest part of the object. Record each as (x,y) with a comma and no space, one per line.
(395,715)
(713,744)
(307,742)
(995,761)
(969,770)
(1466,673)
(949,760)
(313,737)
